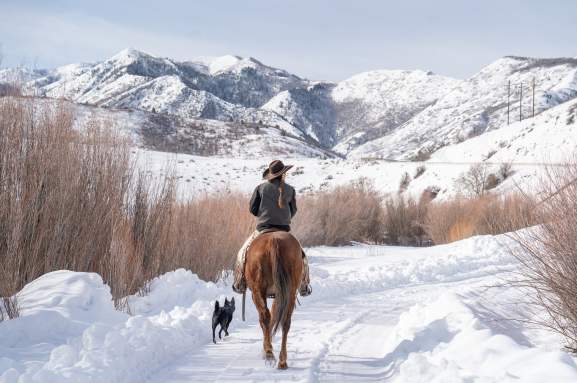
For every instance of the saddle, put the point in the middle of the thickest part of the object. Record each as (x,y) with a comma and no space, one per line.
(271,230)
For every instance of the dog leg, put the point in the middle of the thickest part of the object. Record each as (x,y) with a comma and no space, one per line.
(213,328)
(226,328)
(220,333)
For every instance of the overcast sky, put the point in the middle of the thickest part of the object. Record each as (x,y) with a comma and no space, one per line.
(325,39)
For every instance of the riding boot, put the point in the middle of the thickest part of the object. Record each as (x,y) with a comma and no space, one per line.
(239,284)
(305,288)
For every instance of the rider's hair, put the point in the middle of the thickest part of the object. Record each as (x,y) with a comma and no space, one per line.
(281,191)
(280,201)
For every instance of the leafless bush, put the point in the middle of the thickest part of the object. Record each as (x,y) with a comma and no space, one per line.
(404,218)
(421,155)
(61,192)
(404,182)
(9,308)
(549,256)
(465,217)
(73,200)
(492,181)
(505,170)
(208,233)
(473,180)
(347,213)
(419,171)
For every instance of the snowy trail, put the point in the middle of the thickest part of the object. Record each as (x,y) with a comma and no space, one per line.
(342,340)
(346,332)
(377,313)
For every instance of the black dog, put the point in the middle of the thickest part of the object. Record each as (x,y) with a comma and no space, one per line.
(222,316)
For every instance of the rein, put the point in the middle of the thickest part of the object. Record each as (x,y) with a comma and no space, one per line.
(243,300)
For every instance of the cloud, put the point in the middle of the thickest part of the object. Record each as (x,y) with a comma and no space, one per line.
(55,39)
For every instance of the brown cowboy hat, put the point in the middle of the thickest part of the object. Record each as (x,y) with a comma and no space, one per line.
(275,169)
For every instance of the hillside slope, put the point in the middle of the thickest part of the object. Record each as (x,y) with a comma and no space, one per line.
(391,114)
(479,105)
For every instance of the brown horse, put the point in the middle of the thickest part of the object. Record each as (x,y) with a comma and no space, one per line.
(274,266)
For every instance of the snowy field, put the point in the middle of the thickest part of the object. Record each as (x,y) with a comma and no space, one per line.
(205,175)
(377,313)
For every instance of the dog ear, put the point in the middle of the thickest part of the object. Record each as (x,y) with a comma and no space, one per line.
(232,301)
(225,301)
(216,306)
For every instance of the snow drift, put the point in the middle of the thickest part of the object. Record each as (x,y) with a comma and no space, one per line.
(69,330)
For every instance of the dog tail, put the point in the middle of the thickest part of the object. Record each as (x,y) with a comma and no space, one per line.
(281,285)
(216,306)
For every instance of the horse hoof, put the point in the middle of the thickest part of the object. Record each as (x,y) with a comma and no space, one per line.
(269,357)
(282,365)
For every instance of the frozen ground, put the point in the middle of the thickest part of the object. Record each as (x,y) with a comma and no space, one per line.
(376,314)
(529,146)
(205,175)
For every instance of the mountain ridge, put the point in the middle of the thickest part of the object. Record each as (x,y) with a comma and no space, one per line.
(396,114)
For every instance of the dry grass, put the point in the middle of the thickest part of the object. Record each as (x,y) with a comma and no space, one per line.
(549,257)
(61,192)
(465,217)
(73,200)
(347,213)
(403,221)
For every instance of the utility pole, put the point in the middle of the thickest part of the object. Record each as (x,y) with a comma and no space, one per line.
(520,101)
(533,109)
(508,101)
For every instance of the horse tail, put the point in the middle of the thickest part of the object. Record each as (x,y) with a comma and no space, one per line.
(281,285)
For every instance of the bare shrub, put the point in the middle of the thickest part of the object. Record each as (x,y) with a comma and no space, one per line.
(73,200)
(449,221)
(404,218)
(492,181)
(507,213)
(549,256)
(421,155)
(505,170)
(61,192)
(404,182)
(9,308)
(465,217)
(473,181)
(347,213)
(208,233)
(419,171)
(430,193)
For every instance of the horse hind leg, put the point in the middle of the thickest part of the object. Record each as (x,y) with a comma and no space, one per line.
(282,363)
(265,324)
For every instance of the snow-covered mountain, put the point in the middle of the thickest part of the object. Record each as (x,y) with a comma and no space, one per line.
(479,105)
(361,108)
(392,114)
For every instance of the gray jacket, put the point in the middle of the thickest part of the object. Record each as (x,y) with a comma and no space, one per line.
(264,205)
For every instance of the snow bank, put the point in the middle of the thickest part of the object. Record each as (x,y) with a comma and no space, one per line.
(445,341)
(69,330)
(471,258)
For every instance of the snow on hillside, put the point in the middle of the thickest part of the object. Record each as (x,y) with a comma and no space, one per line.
(391,114)
(550,137)
(478,105)
(383,100)
(171,133)
(377,312)
(200,175)
(361,108)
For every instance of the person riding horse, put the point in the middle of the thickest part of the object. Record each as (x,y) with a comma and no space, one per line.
(274,204)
